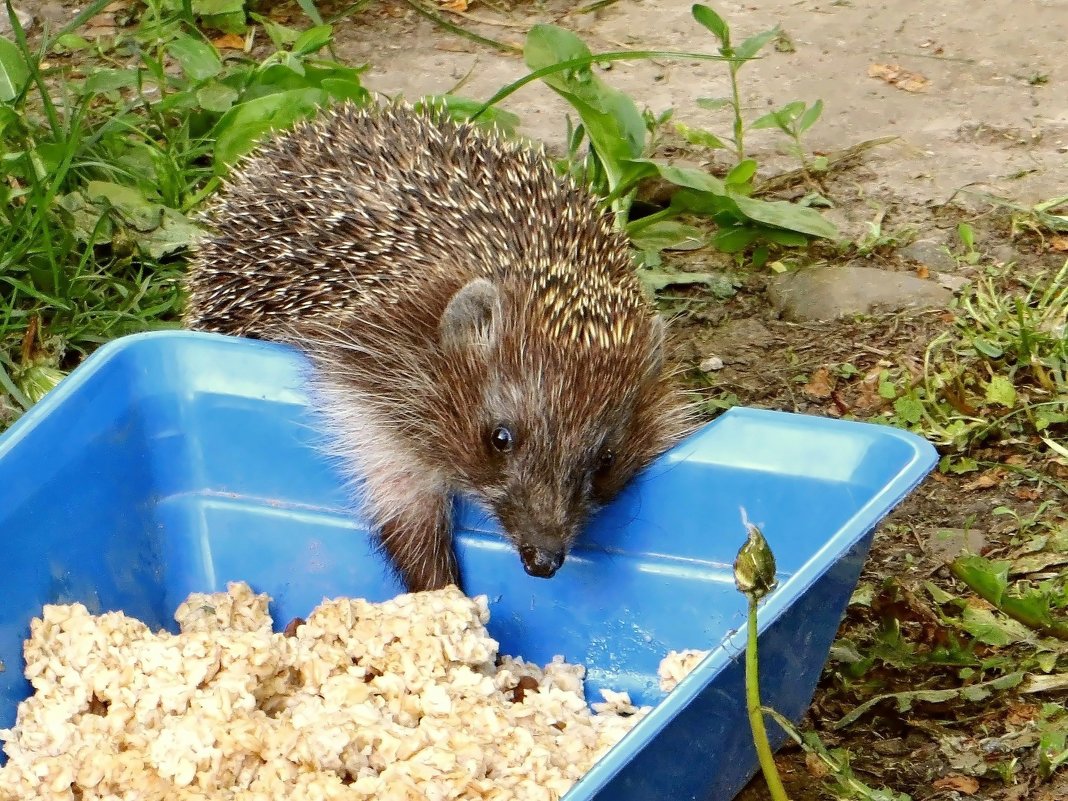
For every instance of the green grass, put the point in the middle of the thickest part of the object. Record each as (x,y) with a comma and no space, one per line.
(103,160)
(999,374)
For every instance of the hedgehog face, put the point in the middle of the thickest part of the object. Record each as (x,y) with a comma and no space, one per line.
(542,480)
(560,428)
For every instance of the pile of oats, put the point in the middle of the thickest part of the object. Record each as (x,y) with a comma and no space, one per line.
(405,699)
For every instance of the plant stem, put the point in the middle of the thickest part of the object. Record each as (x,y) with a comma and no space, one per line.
(585,61)
(739,126)
(756,715)
(655,217)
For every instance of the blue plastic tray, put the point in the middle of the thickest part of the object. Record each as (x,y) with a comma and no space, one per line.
(176,462)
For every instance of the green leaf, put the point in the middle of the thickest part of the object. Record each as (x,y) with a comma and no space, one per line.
(227,23)
(198,58)
(780,237)
(461,109)
(174,233)
(742,173)
(688,177)
(280,35)
(313,40)
(344,89)
(658,280)
(769,120)
(308,6)
(988,577)
(613,123)
(1045,417)
(108,80)
(667,235)
(967,235)
(905,700)
(909,409)
(70,42)
(713,103)
(208,8)
(753,45)
(938,595)
(713,196)
(243,125)
(993,629)
(140,212)
(988,349)
(1001,391)
(735,240)
(714,22)
(13,70)
(808,119)
(216,97)
(699,137)
(782,214)
(862,595)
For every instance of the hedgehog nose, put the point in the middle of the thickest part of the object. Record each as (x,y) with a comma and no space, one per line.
(540,562)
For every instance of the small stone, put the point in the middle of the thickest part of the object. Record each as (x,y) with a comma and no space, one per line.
(931,253)
(711,364)
(954,283)
(25,18)
(826,293)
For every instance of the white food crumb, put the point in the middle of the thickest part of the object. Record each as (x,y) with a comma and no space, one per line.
(676,666)
(405,699)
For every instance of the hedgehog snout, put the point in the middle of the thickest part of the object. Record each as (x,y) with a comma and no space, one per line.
(541,562)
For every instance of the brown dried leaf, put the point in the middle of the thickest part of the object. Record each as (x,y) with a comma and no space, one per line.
(229,41)
(820,386)
(815,766)
(1021,714)
(923,272)
(868,398)
(991,478)
(899,77)
(1059,244)
(954,781)
(454,5)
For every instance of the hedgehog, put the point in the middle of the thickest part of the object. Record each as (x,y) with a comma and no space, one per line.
(470,315)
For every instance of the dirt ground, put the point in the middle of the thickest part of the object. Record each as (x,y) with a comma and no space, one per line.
(993,116)
(995,111)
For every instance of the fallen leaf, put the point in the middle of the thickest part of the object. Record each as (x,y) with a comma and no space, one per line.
(1020,714)
(923,272)
(816,767)
(896,76)
(229,41)
(455,5)
(1059,244)
(989,479)
(954,781)
(868,398)
(1027,493)
(820,386)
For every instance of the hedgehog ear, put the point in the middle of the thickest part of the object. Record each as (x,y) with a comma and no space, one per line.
(472,316)
(657,340)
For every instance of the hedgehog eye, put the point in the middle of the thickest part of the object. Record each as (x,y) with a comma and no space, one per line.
(606,460)
(502,439)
